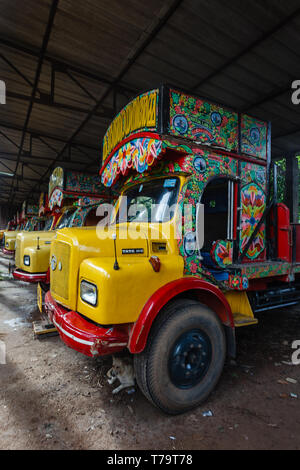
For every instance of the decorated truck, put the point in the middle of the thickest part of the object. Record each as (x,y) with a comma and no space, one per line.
(11,226)
(196,247)
(28,220)
(72,202)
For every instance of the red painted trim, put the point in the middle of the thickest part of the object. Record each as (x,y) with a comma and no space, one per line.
(56,218)
(137,135)
(207,293)
(238,156)
(29,277)
(84,336)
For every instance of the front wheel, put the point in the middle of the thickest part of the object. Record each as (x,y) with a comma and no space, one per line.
(184,357)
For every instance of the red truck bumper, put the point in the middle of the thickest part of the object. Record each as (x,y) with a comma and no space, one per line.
(8,252)
(84,336)
(29,277)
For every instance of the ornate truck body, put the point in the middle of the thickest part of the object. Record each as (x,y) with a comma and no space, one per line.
(172,279)
(27,221)
(71,202)
(11,226)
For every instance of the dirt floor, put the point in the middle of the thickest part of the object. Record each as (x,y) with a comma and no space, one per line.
(54,398)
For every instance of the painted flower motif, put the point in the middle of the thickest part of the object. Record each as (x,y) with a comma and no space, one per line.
(253,206)
(235,282)
(138,154)
(193,267)
(222,253)
(245,282)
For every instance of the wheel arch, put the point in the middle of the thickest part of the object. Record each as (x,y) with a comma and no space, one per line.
(190,287)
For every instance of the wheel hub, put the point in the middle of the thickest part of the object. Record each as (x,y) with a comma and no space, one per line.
(190,358)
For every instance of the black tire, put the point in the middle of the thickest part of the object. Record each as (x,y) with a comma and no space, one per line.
(162,372)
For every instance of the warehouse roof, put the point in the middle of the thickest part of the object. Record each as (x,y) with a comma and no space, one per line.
(69,67)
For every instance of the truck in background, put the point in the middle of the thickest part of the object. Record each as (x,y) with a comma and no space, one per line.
(72,200)
(28,220)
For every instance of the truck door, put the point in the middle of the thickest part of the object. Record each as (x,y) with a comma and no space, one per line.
(220,215)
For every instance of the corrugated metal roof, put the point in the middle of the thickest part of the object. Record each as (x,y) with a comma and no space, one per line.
(95,56)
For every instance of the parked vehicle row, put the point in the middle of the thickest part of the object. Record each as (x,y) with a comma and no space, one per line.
(194,247)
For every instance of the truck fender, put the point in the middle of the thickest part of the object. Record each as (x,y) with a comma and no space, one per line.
(204,291)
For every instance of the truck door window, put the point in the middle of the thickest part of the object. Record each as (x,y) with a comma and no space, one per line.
(66,219)
(218,200)
(48,224)
(92,218)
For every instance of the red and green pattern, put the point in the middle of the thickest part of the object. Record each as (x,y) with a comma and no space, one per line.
(253,203)
(254,137)
(199,120)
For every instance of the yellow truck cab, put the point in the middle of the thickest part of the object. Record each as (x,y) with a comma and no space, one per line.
(28,221)
(73,198)
(173,274)
(11,226)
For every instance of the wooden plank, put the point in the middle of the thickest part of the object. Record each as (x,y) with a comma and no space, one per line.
(43,328)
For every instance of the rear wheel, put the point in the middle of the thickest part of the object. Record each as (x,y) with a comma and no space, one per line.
(184,357)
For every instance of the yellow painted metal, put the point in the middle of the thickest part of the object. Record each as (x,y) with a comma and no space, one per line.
(38,250)
(39,298)
(241,308)
(121,293)
(27,243)
(60,284)
(10,239)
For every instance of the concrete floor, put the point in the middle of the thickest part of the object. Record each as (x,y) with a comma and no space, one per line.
(54,398)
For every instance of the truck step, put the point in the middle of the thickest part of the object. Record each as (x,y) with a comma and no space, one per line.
(43,328)
(242,320)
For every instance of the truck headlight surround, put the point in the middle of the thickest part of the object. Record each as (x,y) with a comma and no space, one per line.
(89,293)
(26,260)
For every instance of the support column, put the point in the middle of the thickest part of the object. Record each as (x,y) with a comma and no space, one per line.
(292,186)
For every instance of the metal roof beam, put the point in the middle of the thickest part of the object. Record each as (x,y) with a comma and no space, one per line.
(36,162)
(263,37)
(45,100)
(9,139)
(13,67)
(269,97)
(46,38)
(288,134)
(63,65)
(166,15)
(39,133)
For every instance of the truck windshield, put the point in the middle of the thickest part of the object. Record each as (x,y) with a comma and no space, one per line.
(150,201)
(66,219)
(48,224)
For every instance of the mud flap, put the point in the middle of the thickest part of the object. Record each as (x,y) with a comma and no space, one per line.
(230,341)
